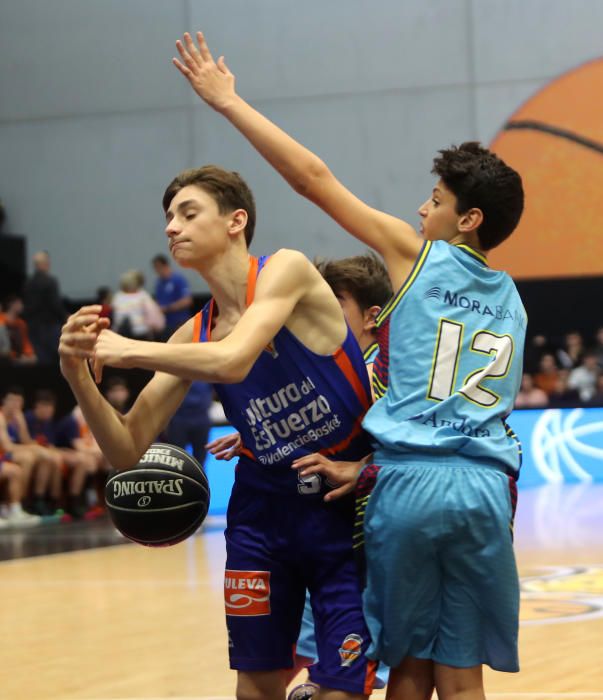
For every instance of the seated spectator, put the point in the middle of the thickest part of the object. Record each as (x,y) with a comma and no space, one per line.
(21,349)
(4,345)
(104,297)
(584,377)
(547,375)
(38,465)
(597,398)
(562,395)
(537,346)
(11,511)
(598,349)
(43,428)
(135,313)
(172,293)
(117,393)
(571,353)
(530,396)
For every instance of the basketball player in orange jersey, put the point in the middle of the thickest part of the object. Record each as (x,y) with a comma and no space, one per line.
(292,380)
(442,595)
(362,288)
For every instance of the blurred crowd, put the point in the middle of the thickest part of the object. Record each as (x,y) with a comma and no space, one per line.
(52,468)
(563,373)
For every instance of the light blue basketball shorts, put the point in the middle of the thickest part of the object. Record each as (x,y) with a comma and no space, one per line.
(306,644)
(442,582)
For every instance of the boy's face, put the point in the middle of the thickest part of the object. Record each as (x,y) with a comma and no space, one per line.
(118,396)
(44,410)
(12,403)
(360,322)
(195,227)
(439,216)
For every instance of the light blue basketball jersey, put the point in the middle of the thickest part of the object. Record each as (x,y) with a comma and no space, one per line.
(450,362)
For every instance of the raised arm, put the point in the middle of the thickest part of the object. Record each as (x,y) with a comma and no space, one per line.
(393,238)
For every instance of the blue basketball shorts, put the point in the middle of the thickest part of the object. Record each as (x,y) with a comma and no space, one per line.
(442,582)
(276,548)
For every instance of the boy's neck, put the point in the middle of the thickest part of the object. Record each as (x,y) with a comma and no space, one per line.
(227,280)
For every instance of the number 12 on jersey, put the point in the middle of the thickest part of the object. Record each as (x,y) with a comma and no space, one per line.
(446,358)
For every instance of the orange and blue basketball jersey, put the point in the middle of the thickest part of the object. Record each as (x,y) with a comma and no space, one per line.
(294,403)
(281,537)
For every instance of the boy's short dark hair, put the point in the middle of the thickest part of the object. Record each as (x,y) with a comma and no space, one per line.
(160,258)
(364,277)
(226,187)
(45,396)
(479,179)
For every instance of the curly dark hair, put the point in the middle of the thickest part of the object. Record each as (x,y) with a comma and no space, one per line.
(479,179)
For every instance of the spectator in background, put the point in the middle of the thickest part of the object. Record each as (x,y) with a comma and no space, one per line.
(172,293)
(530,396)
(548,372)
(597,398)
(191,423)
(44,430)
(104,297)
(584,377)
(537,346)
(562,396)
(21,349)
(38,465)
(117,393)
(572,352)
(4,345)
(44,310)
(598,349)
(11,510)
(135,313)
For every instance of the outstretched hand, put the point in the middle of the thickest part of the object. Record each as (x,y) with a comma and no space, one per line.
(342,475)
(225,447)
(211,80)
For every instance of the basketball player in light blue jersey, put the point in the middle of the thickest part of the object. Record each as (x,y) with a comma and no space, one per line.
(442,596)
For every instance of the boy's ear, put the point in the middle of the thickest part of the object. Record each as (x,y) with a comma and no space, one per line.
(370,317)
(471,220)
(238,221)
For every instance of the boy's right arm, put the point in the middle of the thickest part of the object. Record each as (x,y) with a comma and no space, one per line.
(122,438)
(393,238)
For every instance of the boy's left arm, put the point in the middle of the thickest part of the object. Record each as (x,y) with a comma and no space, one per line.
(283,283)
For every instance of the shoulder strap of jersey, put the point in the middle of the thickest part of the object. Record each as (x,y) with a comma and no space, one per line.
(203,319)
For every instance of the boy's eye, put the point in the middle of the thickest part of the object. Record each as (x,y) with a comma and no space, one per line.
(435,202)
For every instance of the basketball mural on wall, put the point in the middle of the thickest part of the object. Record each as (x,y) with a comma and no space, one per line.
(555,141)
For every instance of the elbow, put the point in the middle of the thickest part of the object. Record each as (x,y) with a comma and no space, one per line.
(234,371)
(310,181)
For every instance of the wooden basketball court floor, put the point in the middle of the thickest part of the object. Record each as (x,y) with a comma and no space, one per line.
(125,621)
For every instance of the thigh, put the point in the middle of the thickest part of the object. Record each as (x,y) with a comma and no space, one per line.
(480,603)
(342,636)
(263,592)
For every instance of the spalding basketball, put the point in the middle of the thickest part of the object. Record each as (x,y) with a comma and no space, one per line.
(160,501)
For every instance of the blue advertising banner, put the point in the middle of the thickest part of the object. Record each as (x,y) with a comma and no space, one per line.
(559,446)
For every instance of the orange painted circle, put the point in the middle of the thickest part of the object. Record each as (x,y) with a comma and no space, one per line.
(561,231)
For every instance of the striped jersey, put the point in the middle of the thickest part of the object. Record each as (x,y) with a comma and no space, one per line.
(292,403)
(450,361)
